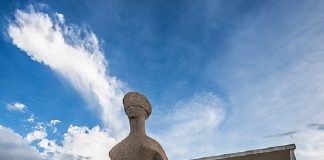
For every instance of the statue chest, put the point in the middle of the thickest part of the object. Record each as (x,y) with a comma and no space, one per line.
(134,149)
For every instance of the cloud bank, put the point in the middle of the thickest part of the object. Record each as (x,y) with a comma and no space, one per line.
(15,147)
(78,143)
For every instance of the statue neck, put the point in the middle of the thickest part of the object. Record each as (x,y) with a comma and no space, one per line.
(137,126)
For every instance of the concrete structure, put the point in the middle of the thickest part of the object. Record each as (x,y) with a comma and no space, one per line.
(273,153)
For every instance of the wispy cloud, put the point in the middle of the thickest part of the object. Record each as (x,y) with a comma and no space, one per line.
(31,118)
(73,53)
(54,122)
(16,106)
(291,133)
(274,72)
(192,126)
(319,126)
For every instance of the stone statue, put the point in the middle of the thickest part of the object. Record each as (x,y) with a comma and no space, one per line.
(137,145)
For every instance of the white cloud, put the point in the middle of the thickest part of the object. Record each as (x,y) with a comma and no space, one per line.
(79,60)
(54,122)
(192,126)
(48,40)
(93,143)
(311,144)
(79,142)
(17,106)
(38,134)
(60,17)
(31,119)
(49,147)
(14,147)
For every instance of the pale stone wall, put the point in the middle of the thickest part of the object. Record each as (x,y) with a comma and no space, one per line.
(273,153)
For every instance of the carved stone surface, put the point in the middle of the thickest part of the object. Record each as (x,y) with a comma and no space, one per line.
(137,145)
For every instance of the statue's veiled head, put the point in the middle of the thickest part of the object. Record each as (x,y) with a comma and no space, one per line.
(136,105)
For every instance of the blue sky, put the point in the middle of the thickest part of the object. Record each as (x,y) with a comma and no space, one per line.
(222,76)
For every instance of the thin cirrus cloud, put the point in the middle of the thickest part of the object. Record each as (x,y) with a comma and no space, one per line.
(192,126)
(274,73)
(78,60)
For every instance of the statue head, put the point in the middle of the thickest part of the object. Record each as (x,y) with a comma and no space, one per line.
(136,105)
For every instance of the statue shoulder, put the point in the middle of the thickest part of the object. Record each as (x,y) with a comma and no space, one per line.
(117,148)
(113,152)
(153,142)
(156,146)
